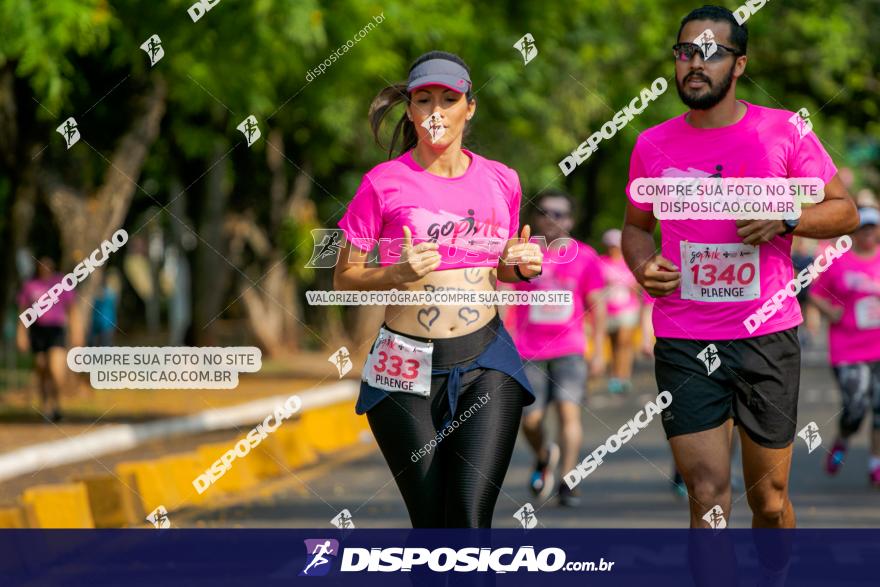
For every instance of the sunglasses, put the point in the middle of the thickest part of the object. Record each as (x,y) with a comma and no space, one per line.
(686,52)
(553,214)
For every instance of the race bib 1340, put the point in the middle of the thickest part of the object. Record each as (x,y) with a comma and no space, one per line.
(726,272)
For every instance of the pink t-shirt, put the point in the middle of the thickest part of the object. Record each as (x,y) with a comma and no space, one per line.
(471,216)
(853,283)
(730,280)
(620,283)
(547,332)
(31,292)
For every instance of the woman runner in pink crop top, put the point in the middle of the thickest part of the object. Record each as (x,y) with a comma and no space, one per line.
(443,386)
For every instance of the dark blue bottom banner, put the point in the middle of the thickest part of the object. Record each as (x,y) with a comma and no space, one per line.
(655,558)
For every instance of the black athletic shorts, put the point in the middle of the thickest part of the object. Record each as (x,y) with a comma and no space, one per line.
(43,337)
(754,380)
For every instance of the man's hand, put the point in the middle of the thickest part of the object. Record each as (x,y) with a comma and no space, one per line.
(525,254)
(756,232)
(415,261)
(21,338)
(659,277)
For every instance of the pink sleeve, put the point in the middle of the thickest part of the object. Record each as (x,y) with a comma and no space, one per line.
(825,285)
(637,170)
(810,159)
(362,221)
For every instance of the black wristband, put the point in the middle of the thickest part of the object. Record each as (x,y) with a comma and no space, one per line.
(523,277)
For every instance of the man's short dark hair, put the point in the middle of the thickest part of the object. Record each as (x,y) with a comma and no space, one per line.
(739,34)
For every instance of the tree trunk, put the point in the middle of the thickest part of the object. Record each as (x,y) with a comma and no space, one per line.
(84,222)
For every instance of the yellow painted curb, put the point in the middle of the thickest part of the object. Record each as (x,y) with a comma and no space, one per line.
(57,506)
(179,470)
(110,508)
(241,475)
(330,428)
(12,517)
(148,486)
(292,443)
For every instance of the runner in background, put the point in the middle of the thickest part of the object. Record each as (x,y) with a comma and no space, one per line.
(716,368)
(848,294)
(552,341)
(623,311)
(46,337)
(803,252)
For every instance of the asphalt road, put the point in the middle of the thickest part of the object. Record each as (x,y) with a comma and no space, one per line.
(632,488)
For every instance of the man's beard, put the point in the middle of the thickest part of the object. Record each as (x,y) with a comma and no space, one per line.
(710,98)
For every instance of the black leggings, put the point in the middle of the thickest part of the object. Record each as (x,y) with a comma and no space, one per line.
(453,483)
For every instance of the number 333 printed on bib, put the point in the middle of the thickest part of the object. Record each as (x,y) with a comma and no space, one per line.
(399,363)
(727,272)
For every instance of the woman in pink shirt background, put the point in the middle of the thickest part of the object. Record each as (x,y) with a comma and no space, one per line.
(621,298)
(848,294)
(46,336)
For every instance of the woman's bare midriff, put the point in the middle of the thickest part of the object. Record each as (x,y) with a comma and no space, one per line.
(445,321)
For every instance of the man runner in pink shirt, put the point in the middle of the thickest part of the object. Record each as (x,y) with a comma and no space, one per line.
(714,367)
(848,294)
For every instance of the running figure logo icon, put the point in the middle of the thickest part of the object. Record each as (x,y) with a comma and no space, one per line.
(810,434)
(68,129)
(715,518)
(342,360)
(801,121)
(526,46)
(317,561)
(159,518)
(343,520)
(706,43)
(434,125)
(249,129)
(710,358)
(153,49)
(526,516)
(326,250)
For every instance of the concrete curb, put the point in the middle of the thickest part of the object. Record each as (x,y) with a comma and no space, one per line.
(122,437)
(327,424)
